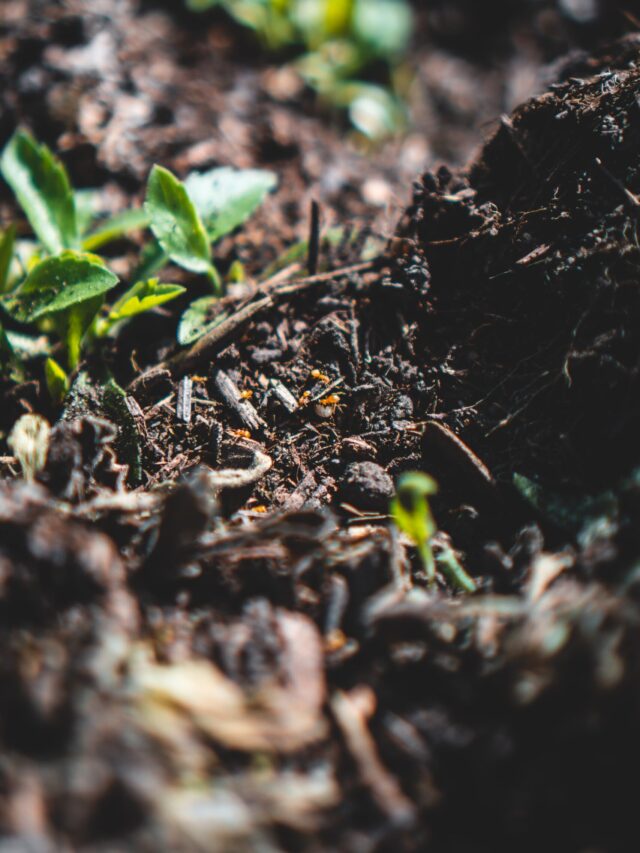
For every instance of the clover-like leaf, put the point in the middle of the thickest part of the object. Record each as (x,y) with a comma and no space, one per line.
(226,197)
(41,185)
(175,222)
(58,283)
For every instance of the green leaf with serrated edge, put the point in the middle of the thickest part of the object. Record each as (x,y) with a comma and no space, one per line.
(7,245)
(117,226)
(58,283)
(175,222)
(56,379)
(225,197)
(41,185)
(143,296)
(196,320)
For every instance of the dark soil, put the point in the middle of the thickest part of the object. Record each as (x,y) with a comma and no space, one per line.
(202,654)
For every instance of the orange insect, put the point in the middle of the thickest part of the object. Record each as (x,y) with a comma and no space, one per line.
(318,374)
(240,433)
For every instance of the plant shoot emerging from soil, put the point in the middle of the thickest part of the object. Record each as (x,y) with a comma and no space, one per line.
(412,514)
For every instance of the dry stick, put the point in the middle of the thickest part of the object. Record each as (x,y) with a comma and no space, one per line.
(273,290)
(285,396)
(183,405)
(314,239)
(230,393)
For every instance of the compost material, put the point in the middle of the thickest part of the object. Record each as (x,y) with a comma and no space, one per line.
(213,637)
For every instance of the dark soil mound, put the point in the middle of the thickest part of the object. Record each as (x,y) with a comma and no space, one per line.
(533,256)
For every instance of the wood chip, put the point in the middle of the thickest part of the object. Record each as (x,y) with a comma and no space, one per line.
(285,396)
(244,409)
(183,402)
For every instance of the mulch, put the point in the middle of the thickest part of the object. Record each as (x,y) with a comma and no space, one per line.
(213,638)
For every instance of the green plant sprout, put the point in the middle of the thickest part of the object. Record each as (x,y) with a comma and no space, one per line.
(56,285)
(412,515)
(338,43)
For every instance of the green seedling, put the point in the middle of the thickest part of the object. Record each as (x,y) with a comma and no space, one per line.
(56,285)
(56,379)
(187,218)
(412,514)
(337,42)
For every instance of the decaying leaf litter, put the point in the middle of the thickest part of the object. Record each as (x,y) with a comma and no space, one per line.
(245,655)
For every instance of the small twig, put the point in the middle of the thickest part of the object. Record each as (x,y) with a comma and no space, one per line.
(633,199)
(449,444)
(205,347)
(229,392)
(284,395)
(314,239)
(183,403)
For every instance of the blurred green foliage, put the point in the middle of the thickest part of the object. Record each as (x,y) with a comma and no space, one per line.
(339,42)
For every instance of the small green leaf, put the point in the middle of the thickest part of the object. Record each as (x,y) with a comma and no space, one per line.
(41,185)
(143,296)
(451,567)
(117,226)
(175,222)
(7,245)
(196,320)
(57,381)
(373,110)
(411,512)
(58,283)
(73,323)
(237,273)
(225,197)
(384,26)
(87,202)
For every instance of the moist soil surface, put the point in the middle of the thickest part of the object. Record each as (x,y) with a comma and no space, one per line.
(213,637)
